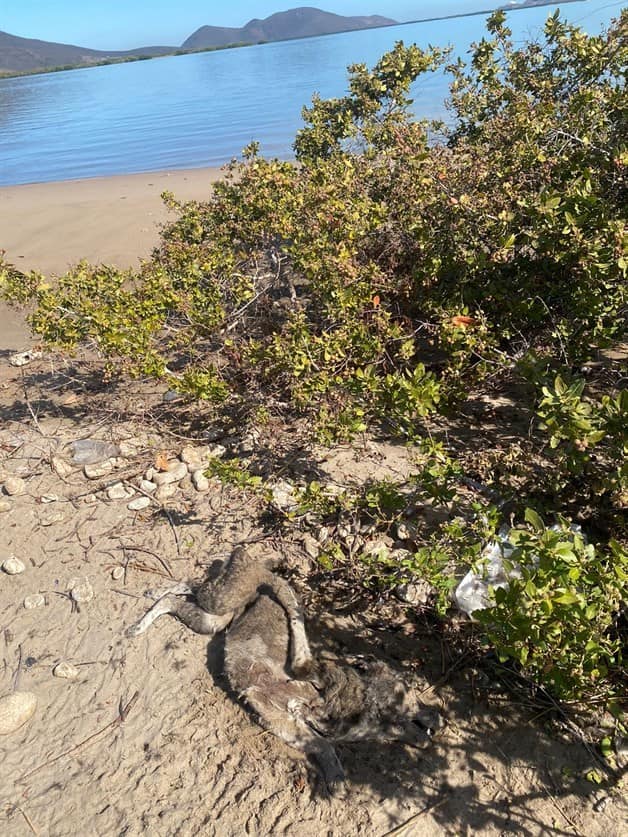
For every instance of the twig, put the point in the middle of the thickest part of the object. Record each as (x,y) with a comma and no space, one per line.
(16,676)
(174,530)
(400,829)
(28,821)
(122,716)
(161,560)
(562,813)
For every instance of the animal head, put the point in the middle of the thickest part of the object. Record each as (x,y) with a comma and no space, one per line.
(377,706)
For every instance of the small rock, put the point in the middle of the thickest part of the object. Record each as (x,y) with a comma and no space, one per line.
(601,804)
(65,670)
(200,481)
(139,503)
(49,498)
(15,710)
(217,451)
(311,546)
(98,470)
(213,435)
(61,466)
(119,491)
(175,473)
(128,448)
(170,396)
(14,486)
(167,491)
(36,600)
(406,531)
(414,593)
(81,590)
(50,517)
(343,532)
(13,566)
(24,358)
(90,499)
(194,455)
(5,506)
(248,444)
(150,473)
(283,496)
(117,573)
(322,536)
(147,485)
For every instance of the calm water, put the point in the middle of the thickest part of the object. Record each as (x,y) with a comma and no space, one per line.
(201,110)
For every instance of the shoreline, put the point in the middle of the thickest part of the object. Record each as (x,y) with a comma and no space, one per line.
(113,219)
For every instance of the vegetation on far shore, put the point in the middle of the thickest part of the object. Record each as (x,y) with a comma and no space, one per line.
(396,269)
(122,59)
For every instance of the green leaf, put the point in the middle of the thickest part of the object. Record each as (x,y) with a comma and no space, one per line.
(534,519)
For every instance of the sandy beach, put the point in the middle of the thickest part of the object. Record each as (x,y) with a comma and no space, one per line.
(113,220)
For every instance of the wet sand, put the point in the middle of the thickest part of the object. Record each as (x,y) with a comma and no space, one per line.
(113,220)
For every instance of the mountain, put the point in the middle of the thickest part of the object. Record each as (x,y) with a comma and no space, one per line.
(303,22)
(27,54)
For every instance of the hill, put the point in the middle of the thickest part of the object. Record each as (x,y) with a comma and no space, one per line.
(18,55)
(303,22)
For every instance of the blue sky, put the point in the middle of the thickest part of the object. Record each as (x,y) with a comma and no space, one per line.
(124,24)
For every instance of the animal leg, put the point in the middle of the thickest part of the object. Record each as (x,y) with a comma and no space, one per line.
(189,613)
(180,589)
(292,728)
(301,659)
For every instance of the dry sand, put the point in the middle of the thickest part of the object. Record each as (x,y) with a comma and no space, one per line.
(112,220)
(147,740)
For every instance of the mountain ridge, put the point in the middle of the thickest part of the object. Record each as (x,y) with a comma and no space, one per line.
(301,22)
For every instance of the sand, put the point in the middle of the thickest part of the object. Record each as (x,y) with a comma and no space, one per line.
(112,220)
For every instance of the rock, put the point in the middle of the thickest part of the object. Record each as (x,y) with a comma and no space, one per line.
(217,451)
(311,546)
(81,590)
(406,531)
(379,545)
(61,466)
(5,506)
(343,532)
(15,710)
(36,600)
(175,473)
(322,536)
(65,670)
(192,455)
(96,471)
(49,498)
(150,473)
(200,481)
(50,517)
(213,435)
(92,451)
(129,448)
(90,499)
(13,566)
(283,496)
(117,573)
(139,503)
(119,491)
(170,395)
(147,485)
(414,593)
(14,486)
(24,358)
(248,444)
(167,491)
(601,804)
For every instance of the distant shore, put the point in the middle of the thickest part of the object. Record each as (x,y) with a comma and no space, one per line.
(113,220)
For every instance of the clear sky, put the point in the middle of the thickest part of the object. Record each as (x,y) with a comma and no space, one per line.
(125,24)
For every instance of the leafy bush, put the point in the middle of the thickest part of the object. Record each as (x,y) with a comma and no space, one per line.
(393,267)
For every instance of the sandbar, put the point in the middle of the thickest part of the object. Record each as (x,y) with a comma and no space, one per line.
(106,220)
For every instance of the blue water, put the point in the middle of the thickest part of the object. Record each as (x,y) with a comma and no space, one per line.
(201,110)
